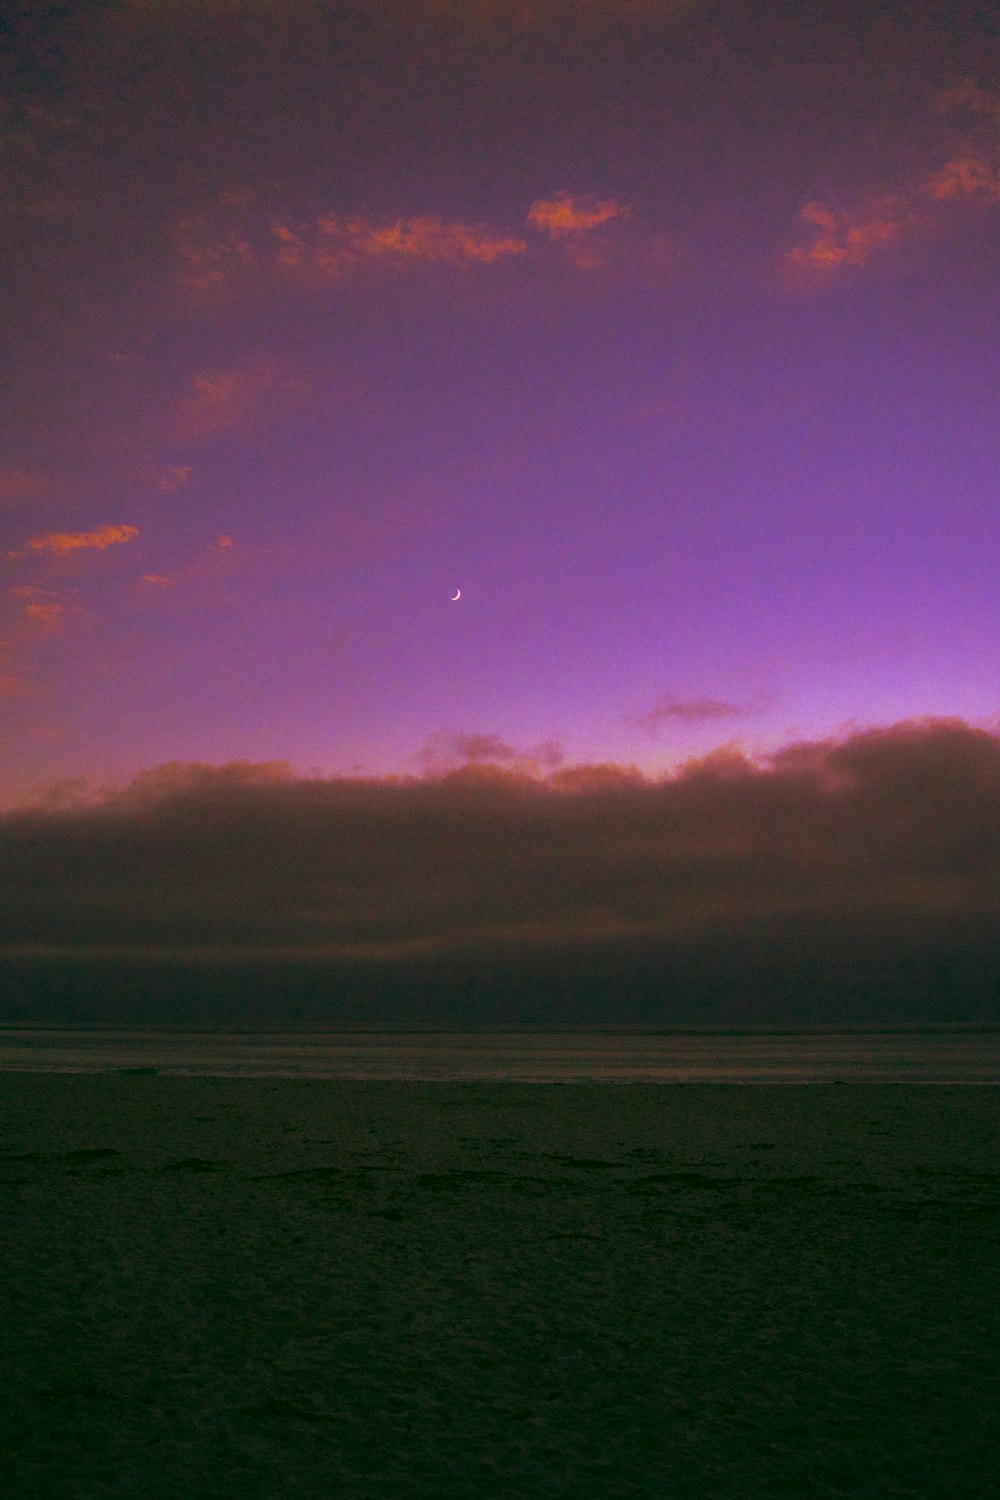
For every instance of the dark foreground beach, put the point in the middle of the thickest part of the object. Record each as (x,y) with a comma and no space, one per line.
(267,1288)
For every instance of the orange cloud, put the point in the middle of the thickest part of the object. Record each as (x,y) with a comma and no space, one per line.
(158,580)
(974,169)
(843,239)
(564,215)
(965,176)
(61,542)
(48,615)
(40,607)
(208,263)
(349,241)
(218,257)
(336,244)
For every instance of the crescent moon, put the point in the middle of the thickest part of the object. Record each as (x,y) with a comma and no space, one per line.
(456,595)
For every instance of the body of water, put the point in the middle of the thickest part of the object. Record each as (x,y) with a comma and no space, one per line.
(600,1055)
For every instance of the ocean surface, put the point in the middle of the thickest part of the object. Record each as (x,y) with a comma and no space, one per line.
(934,1055)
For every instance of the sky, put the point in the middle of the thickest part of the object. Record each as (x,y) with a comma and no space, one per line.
(399,386)
(666,332)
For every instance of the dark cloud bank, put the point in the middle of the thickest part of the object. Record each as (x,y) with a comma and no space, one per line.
(849,881)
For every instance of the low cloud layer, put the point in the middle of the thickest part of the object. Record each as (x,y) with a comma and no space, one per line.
(857,880)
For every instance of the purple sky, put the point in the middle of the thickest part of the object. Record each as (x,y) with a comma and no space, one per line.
(665,331)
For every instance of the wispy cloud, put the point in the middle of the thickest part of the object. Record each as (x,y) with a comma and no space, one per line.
(173,477)
(422,238)
(564,215)
(62,542)
(970,175)
(841,237)
(451,750)
(337,247)
(208,259)
(42,607)
(228,398)
(30,616)
(576,225)
(332,247)
(848,239)
(670,710)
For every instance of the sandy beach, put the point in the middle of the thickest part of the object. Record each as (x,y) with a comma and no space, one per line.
(269,1288)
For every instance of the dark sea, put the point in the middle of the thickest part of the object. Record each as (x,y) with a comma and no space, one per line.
(930,1055)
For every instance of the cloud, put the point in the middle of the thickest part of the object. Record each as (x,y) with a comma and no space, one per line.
(575,224)
(331,247)
(39,606)
(230,398)
(173,477)
(449,750)
(967,176)
(477,747)
(845,239)
(564,215)
(840,238)
(854,879)
(218,258)
(338,244)
(31,614)
(671,710)
(208,259)
(62,542)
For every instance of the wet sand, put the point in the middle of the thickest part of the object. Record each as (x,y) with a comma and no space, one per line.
(269,1288)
